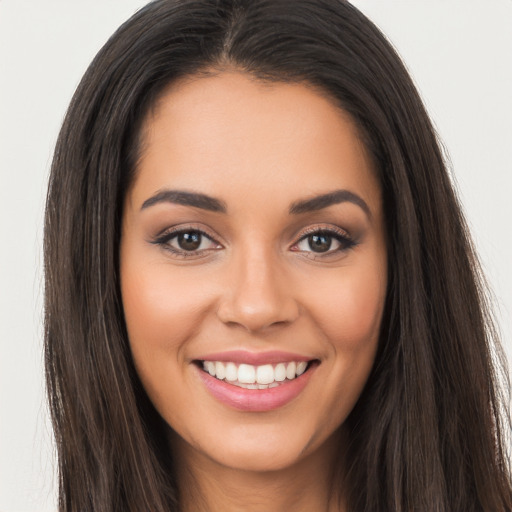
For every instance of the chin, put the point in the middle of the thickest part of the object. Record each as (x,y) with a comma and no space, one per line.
(258,449)
(259,461)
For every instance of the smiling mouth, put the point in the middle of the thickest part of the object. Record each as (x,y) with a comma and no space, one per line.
(248,376)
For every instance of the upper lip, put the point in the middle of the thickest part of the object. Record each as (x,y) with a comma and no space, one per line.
(254,358)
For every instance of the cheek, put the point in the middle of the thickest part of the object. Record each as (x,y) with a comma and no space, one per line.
(162,308)
(349,308)
(348,313)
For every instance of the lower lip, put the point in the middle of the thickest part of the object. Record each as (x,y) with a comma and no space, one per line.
(256,400)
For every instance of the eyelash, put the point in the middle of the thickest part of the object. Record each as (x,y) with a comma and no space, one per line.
(163,240)
(342,237)
(346,242)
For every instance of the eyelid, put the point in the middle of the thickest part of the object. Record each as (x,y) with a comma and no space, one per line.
(332,230)
(184,228)
(322,228)
(166,235)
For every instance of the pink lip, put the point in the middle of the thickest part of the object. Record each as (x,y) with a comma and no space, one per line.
(255,400)
(254,358)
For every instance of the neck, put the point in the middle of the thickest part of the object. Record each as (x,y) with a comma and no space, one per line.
(206,486)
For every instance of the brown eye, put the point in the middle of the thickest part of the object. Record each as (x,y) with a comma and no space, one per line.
(186,242)
(189,241)
(319,242)
(323,241)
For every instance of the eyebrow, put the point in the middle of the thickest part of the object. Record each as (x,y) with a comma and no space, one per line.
(323,201)
(206,202)
(182,197)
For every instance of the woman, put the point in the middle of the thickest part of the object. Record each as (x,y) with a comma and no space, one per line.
(261,293)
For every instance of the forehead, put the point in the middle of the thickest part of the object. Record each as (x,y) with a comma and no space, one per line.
(231,135)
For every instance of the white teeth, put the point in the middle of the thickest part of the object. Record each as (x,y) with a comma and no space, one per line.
(231,372)
(246,374)
(210,368)
(280,372)
(301,368)
(220,370)
(265,374)
(290,370)
(255,377)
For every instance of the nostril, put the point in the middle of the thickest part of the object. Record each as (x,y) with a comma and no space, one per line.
(257,319)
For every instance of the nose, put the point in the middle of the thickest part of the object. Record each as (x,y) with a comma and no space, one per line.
(257,294)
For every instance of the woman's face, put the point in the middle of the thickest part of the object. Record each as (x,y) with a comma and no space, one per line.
(253,268)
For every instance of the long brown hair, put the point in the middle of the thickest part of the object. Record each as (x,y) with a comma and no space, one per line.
(428,431)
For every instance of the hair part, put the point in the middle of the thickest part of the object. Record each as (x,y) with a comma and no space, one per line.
(428,431)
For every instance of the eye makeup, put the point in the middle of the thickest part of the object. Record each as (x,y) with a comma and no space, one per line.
(323,241)
(316,242)
(187,241)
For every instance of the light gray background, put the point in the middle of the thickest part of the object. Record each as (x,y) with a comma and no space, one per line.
(458,51)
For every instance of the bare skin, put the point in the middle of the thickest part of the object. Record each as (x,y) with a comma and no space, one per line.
(254,225)
(227,489)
